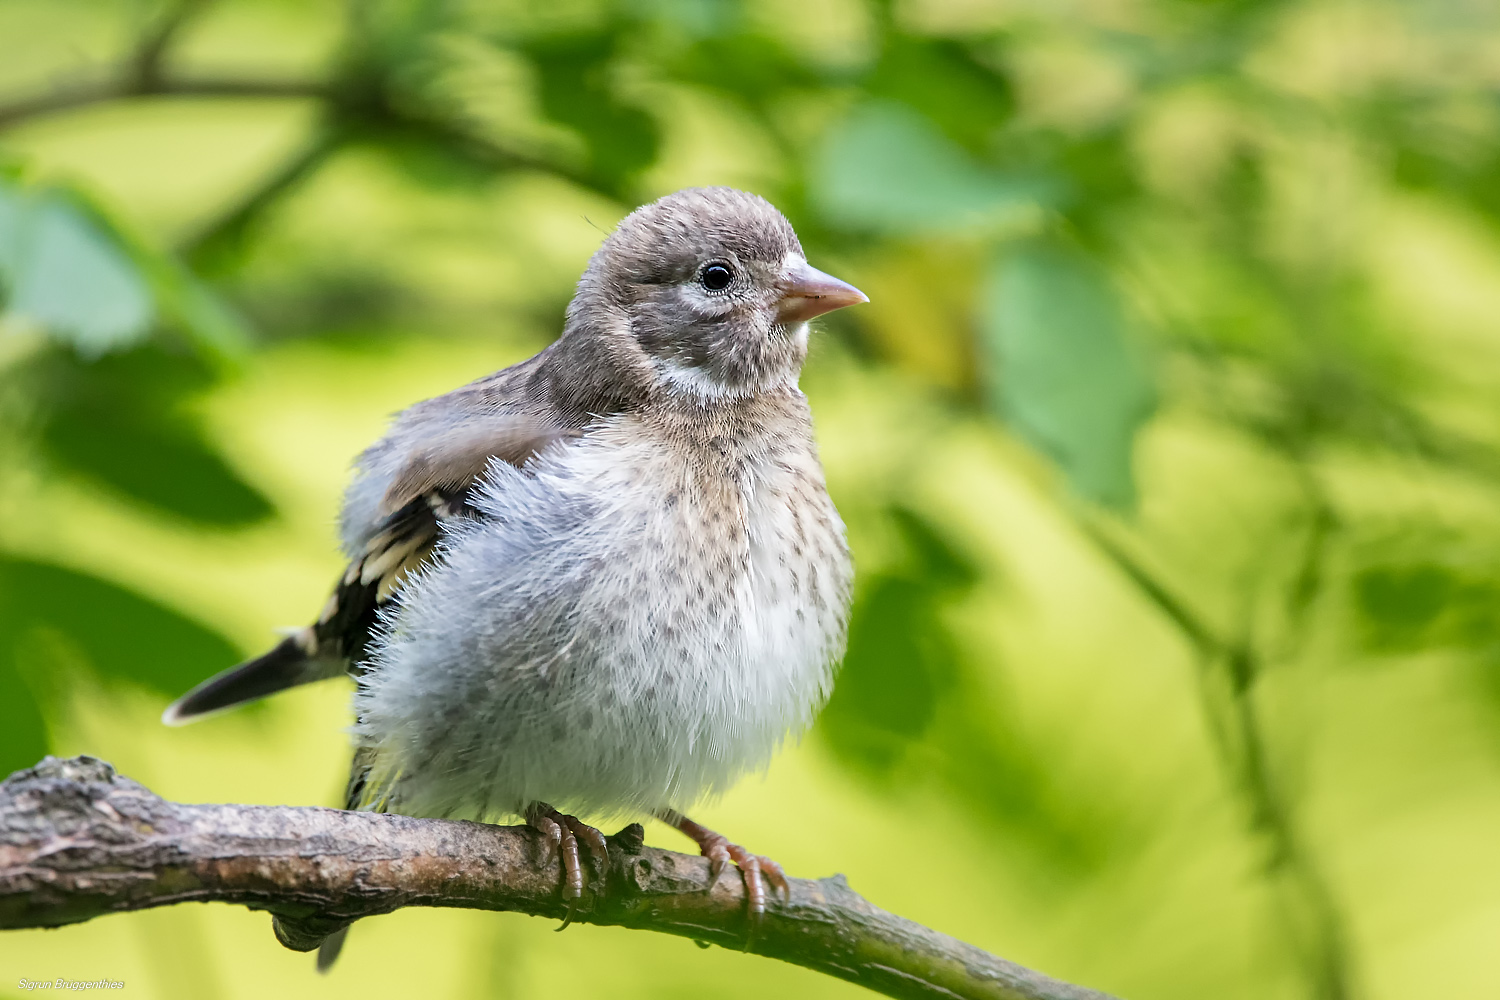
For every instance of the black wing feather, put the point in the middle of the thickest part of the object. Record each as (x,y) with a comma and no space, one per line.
(338,640)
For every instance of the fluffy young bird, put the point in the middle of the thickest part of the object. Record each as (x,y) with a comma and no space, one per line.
(609,579)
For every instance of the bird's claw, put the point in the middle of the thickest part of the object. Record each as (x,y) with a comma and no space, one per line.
(597,845)
(560,835)
(718,859)
(758,870)
(551,832)
(755,869)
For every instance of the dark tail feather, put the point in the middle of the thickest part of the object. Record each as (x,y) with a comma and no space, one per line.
(328,951)
(287,665)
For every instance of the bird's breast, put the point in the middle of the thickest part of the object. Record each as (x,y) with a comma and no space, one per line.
(725,592)
(637,620)
(726,544)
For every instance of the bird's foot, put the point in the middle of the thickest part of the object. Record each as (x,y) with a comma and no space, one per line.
(719,851)
(561,833)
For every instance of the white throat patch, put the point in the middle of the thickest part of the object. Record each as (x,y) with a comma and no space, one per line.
(700,383)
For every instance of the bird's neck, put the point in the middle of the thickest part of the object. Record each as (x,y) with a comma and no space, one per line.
(599,369)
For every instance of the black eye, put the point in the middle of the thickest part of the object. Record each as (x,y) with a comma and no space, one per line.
(716,277)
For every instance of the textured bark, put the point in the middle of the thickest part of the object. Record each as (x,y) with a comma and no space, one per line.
(78,841)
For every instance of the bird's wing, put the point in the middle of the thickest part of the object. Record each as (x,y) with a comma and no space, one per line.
(415,479)
(459,458)
(430,487)
(424,471)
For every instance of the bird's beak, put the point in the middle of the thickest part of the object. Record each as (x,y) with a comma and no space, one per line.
(807,292)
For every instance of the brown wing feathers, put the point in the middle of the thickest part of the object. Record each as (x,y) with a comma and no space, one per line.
(432,487)
(459,459)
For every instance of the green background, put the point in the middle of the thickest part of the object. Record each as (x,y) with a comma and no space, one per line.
(1169,446)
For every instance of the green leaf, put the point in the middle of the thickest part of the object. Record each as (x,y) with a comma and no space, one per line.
(214,328)
(1401,603)
(904,707)
(574,74)
(67,265)
(901,660)
(47,611)
(23,732)
(160,462)
(1407,606)
(930,555)
(1062,369)
(64,271)
(122,635)
(886,168)
(123,421)
(753,68)
(940,78)
(1010,784)
(898,665)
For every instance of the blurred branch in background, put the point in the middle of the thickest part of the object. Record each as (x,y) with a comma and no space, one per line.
(142,74)
(1228,670)
(78,841)
(83,94)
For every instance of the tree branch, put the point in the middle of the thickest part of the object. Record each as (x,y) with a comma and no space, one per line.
(82,93)
(152,49)
(226,235)
(78,841)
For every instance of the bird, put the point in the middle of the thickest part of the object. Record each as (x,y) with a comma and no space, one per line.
(608,580)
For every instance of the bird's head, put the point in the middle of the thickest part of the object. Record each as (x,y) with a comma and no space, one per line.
(708,292)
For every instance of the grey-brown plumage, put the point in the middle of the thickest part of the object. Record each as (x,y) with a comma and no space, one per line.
(608,579)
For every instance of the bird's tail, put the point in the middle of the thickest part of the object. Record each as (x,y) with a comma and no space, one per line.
(328,951)
(287,665)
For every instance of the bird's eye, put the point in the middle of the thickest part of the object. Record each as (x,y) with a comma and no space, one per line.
(716,277)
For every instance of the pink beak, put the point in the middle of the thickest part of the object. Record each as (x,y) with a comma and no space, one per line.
(807,292)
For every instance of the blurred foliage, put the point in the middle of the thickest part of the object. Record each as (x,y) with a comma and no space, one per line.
(57,621)
(122,421)
(901,661)
(64,271)
(1169,443)
(1067,378)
